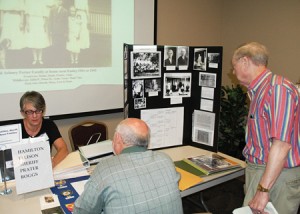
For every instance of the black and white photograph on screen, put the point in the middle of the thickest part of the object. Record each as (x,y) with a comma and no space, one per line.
(145,65)
(152,85)
(170,57)
(56,34)
(137,88)
(213,60)
(183,57)
(177,85)
(139,103)
(200,59)
(207,79)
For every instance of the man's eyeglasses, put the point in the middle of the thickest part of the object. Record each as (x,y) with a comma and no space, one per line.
(31,112)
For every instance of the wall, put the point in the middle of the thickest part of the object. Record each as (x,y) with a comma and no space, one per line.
(230,23)
(189,22)
(274,23)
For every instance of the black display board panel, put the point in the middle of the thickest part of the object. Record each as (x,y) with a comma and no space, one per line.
(188,103)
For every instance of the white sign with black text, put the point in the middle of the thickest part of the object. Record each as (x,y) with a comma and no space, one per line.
(32,166)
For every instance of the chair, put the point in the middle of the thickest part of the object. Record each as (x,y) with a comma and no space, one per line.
(87,132)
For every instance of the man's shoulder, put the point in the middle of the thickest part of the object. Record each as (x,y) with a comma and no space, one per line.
(161,155)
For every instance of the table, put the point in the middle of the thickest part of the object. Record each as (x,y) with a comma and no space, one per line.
(29,202)
(178,153)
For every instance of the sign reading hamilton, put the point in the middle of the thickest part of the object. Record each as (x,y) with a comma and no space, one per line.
(32,166)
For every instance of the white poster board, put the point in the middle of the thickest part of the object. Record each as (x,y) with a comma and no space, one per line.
(32,165)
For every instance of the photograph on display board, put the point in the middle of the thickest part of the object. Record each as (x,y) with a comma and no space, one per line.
(152,85)
(177,85)
(213,60)
(139,103)
(145,65)
(170,56)
(137,88)
(183,56)
(200,58)
(207,79)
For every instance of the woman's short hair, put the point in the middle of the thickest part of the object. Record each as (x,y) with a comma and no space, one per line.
(35,98)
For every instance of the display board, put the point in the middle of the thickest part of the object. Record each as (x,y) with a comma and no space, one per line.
(176,90)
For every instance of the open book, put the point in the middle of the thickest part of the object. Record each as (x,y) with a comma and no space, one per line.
(211,163)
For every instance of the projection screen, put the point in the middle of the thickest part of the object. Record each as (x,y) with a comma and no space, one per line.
(74,59)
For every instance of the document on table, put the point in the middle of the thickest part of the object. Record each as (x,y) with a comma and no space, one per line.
(79,186)
(166,126)
(246,210)
(74,163)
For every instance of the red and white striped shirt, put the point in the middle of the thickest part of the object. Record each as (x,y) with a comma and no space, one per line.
(273,114)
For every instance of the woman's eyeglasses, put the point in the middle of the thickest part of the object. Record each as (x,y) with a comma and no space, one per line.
(31,112)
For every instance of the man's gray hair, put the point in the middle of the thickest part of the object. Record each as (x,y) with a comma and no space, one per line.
(130,136)
(257,52)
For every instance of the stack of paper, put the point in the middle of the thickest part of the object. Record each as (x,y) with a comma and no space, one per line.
(74,165)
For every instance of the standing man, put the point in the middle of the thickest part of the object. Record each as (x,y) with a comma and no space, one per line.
(272,148)
(135,180)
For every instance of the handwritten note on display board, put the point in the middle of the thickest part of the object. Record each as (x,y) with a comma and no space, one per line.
(32,166)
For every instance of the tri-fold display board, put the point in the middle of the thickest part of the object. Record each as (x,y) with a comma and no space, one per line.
(176,90)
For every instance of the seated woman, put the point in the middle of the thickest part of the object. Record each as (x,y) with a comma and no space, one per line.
(32,107)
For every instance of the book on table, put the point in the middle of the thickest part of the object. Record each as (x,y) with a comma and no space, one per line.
(211,163)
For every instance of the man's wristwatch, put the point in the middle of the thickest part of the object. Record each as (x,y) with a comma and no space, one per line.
(261,188)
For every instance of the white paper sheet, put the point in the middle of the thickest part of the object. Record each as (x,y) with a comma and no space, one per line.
(166,126)
(79,186)
(246,210)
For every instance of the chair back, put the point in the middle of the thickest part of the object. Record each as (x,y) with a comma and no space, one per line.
(87,132)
